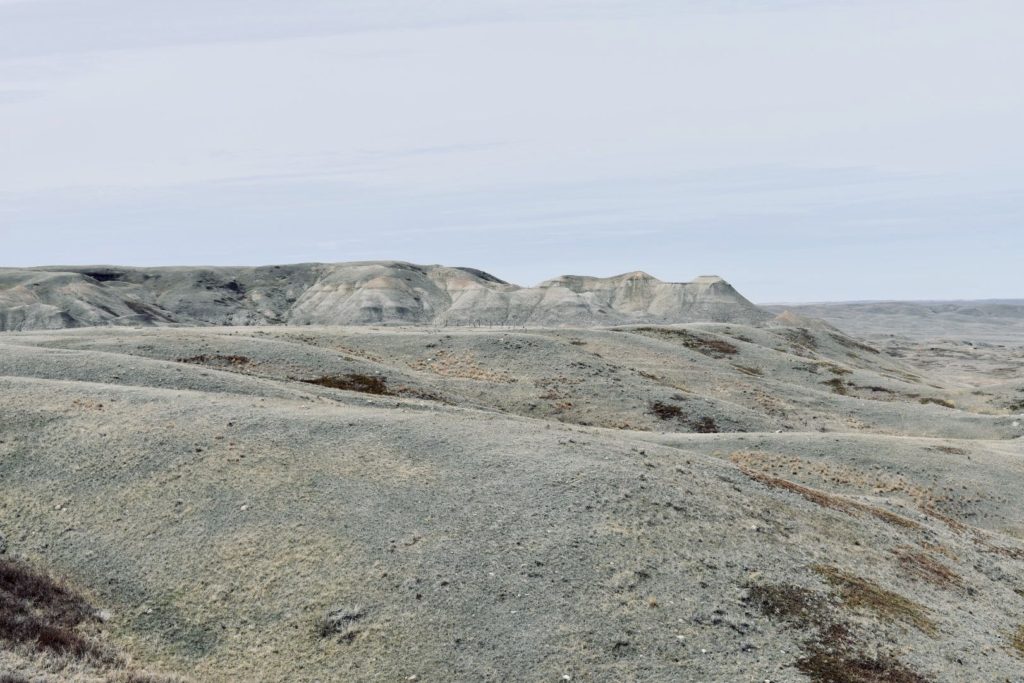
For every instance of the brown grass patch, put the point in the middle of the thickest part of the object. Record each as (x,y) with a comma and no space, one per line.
(367,384)
(423,394)
(44,614)
(829,500)
(926,567)
(853,343)
(861,593)
(936,401)
(826,665)
(747,370)
(218,360)
(709,346)
(705,425)
(951,522)
(837,385)
(981,539)
(832,654)
(801,337)
(879,483)
(665,411)
(801,607)
(1005,551)
(835,368)
(41,612)
(1017,641)
(950,450)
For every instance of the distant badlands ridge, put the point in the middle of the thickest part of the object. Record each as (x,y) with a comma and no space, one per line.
(358,293)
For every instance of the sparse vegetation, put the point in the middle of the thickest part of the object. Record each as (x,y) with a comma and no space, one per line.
(464,365)
(39,611)
(747,370)
(705,425)
(835,368)
(828,663)
(141,677)
(709,346)
(842,388)
(862,593)
(951,450)
(217,359)
(340,624)
(832,653)
(926,567)
(801,337)
(423,394)
(44,616)
(665,411)
(829,500)
(937,401)
(1017,641)
(367,384)
(801,607)
(1005,551)
(837,385)
(853,343)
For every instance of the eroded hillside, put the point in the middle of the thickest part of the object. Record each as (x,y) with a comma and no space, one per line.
(350,294)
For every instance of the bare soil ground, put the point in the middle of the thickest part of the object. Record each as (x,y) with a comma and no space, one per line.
(705,502)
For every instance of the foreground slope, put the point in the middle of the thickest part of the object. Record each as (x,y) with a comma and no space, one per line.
(699,502)
(350,294)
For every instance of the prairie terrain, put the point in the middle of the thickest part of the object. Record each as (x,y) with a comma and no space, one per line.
(718,502)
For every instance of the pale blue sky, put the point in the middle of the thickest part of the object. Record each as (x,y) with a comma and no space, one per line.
(825,150)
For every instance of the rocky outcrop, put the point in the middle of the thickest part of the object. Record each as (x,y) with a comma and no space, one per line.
(374,292)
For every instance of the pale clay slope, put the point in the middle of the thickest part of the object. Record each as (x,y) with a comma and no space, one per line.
(521,504)
(348,294)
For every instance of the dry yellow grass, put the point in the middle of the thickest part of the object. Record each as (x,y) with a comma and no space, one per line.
(463,365)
